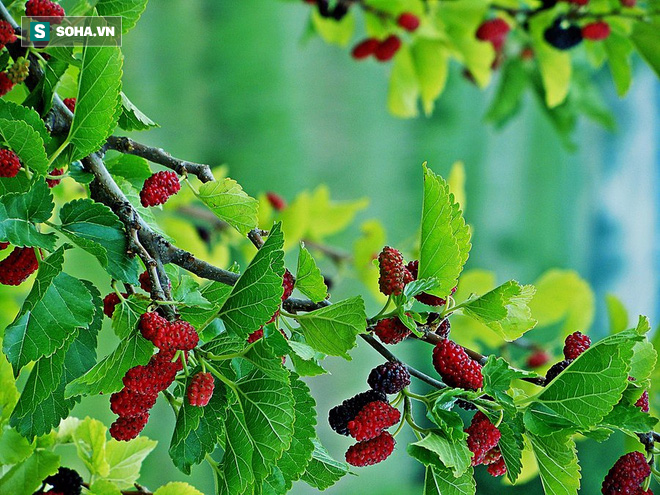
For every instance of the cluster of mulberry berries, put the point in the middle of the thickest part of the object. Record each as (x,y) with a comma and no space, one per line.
(158,188)
(44,10)
(368,415)
(383,50)
(456,368)
(627,476)
(574,345)
(66,481)
(7,34)
(177,335)
(483,439)
(18,266)
(141,387)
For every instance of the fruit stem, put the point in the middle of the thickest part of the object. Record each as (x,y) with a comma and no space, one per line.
(382,311)
(418,397)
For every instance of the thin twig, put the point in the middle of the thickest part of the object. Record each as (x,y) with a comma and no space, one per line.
(380,348)
(128,146)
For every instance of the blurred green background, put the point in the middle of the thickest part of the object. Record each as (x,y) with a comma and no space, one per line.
(231,82)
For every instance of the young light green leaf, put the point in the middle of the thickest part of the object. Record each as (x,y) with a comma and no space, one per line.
(334,329)
(89,439)
(98,96)
(230,203)
(619,49)
(438,481)
(56,305)
(645,37)
(106,376)
(333,31)
(440,451)
(431,59)
(309,280)
(256,296)
(131,118)
(26,142)
(294,460)
(323,471)
(571,401)
(125,460)
(403,90)
(555,65)
(25,478)
(445,242)
(562,295)
(14,447)
(504,310)
(177,488)
(129,10)
(97,230)
(20,210)
(558,464)
(104,487)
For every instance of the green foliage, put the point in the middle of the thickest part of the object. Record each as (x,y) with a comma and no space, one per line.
(131,118)
(23,139)
(98,97)
(309,280)
(230,203)
(445,241)
(18,211)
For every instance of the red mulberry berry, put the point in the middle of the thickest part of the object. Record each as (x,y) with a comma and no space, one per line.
(155,377)
(43,10)
(365,48)
(7,34)
(483,436)
(288,283)
(498,468)
(125,429)
(425,298)
(537,359)
(70,103)
(151,325)
(391,271)
(276,201)
(110,302)
(5,84)
(129,404)
(455,367)
(66,481)
(54,182)
(643,402)
(494,31)
(556,369)
(159,187)
(256,335)
(627,475)
(200,389)
(339,416)
(596,31)
(387,48)
(18,266)
(372,451)
(391,330)
(4,245)
(145,281)
(575,344)
(390,378)
(492,456)
(9,163)
(628,3)
(408,21)
(443,329)
(372,420)
(581,3)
